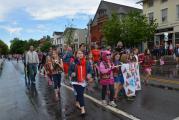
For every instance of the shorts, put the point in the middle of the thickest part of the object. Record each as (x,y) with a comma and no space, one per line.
(57,80)
(119,79)
(148,70)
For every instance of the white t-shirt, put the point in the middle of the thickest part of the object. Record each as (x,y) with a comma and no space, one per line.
(171,47)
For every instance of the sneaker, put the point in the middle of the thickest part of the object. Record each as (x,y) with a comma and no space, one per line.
(41,74)
(104,102)
(33,82)
(49,82)
(130,98)
(113,104)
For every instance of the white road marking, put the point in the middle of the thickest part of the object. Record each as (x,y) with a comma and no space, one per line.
(115,110)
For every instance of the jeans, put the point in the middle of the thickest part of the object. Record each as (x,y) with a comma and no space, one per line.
(104,90)
(80,94)
(32,71)
(57,80)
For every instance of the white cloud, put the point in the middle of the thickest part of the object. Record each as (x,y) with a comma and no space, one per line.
(38,29)
(50,9)
(12,30)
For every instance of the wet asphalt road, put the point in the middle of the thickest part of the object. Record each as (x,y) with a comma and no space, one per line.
(38,103)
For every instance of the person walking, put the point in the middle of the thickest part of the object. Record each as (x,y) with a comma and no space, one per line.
(118,77)
(80,72)
(32,60)
(96,54)
(67,54)
(106,77)
(147,65)
(56,68)
(177,55)
(48,70)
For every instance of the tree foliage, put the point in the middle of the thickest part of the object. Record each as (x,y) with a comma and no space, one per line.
(3,48)
(30,42)
(20,46)
(17,46)
(46,45)
(132,29)
(68,34)
(111,30)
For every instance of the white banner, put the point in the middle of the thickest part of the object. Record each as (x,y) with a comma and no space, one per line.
(137,77)
(131,78)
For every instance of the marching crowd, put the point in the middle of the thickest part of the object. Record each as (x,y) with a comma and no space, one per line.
(97,68)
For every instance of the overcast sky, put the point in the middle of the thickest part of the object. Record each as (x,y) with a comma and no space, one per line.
(34,18)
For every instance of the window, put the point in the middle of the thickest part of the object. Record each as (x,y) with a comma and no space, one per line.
(102,12)
(177,38)
(164,1)
(58,41)
(150,3)
(151,17)
(164,14)
(177,11)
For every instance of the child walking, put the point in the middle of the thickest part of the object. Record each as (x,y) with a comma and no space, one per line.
(106,77)
(118,77)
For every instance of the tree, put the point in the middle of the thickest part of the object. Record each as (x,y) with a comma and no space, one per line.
(33,42)
(3,48)
(112,30)
(46,45)
(132,29)
(137,29)
(17,46)
(48,38)
(69,33)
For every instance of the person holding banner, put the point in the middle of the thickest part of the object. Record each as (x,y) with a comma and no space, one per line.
(117,73)
(106,77)
(135,53)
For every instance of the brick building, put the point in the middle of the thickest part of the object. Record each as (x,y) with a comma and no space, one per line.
(103,13)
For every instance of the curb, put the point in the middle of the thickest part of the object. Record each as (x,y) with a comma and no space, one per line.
(163,86)
(163,83)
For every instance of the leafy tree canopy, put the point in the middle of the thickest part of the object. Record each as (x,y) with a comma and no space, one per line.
(132,29)
(3,48)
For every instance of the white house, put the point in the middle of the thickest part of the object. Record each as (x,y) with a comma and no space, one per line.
(80,36)
(77,36)
(58,40)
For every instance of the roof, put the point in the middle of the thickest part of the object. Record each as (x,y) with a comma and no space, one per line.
(57,33)
(114,7)
(141,1)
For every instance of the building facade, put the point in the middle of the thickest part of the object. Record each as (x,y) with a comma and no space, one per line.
(76,36)
(166,13)
(103,13)
(58,40)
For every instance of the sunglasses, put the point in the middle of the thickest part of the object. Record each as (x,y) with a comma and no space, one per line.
(108,55)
